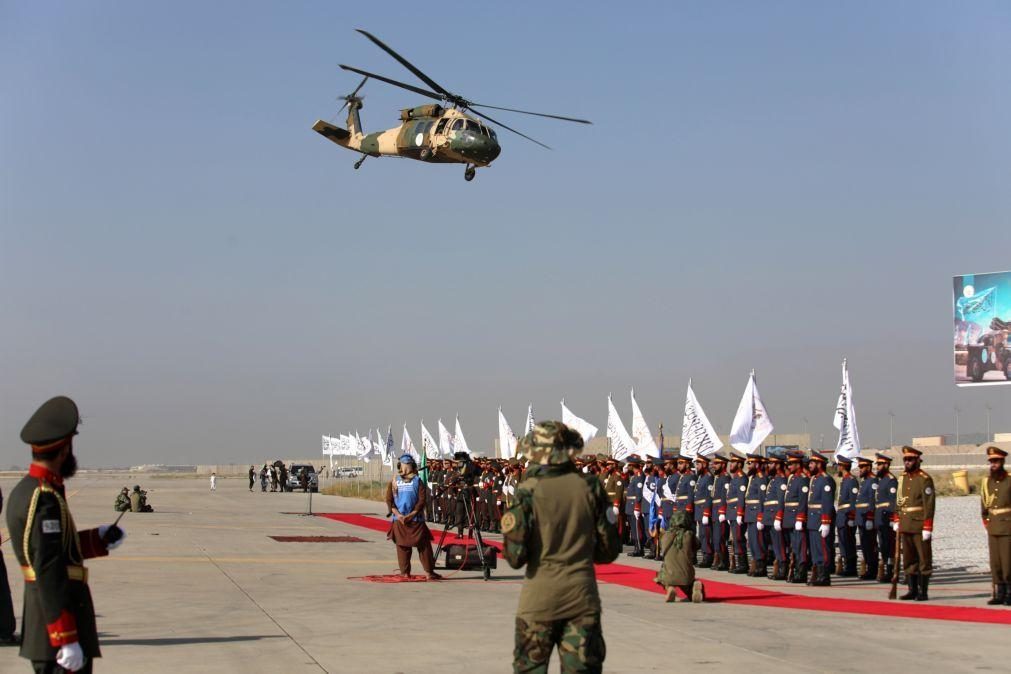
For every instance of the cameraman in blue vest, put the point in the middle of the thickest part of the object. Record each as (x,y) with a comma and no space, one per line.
(406,497)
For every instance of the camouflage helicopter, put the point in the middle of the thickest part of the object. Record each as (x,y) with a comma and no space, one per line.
(439,133)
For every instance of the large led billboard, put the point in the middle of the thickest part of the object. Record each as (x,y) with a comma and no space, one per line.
(982,307)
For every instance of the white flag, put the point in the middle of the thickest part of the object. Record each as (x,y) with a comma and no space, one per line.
(388,447)
(429,443)
(621,442)
(407,446)
(752,424)
(641,435)
(846,419)
(530,420)
(445,440)
(364,447)
(459,442)
(697,435)
(506,437)
(582,426)
(326,446)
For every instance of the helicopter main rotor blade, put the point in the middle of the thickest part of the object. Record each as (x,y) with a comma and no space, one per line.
(404,62)
(495,121)
(527,112)
(359,87)
(402,85)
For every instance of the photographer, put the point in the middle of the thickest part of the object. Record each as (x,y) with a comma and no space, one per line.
(460,489)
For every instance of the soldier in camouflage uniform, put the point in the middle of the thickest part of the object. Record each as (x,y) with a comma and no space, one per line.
(559,605)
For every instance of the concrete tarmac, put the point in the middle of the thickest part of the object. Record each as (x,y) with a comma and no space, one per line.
(200,586)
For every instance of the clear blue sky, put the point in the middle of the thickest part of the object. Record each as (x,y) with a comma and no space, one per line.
(764,186)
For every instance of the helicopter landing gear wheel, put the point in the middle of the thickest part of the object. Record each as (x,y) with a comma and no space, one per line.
(469,174)
(358,164)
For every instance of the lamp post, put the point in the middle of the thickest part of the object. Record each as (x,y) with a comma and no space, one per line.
(957,439)
(891,429)
(988,422)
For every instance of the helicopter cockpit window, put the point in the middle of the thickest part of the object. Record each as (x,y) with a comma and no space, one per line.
(458,125)
(492,132)
(440,126)
(473,126)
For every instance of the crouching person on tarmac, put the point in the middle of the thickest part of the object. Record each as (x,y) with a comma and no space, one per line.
(679,546)
(560,524)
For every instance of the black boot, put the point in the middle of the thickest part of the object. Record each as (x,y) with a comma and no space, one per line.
(826,577)
(924,581)
(707,562)
(886,575)
(742,564)
(849,568)
(999,595)
(800,574)
(871,572)
(815,575)
(719,562)
(913,583)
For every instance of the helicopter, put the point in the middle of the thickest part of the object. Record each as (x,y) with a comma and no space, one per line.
(437,133)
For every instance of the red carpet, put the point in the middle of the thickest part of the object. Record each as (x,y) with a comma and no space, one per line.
(731,593)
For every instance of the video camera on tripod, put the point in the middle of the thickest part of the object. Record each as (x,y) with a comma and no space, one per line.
(472,553)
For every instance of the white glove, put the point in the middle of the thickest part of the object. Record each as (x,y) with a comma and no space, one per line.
(615,509)
(777,525)
(102,528)
(869,525)
(70,657)
(723,518)
(926,535)
(823,530)
(638,514)
(740,520)
(799,526)
(895,527)
(759,525)
(851,523)
(705,520)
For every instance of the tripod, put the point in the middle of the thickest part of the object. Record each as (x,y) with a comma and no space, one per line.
(473,531)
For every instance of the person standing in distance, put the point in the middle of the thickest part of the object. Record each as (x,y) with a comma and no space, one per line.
(560,525)
(58,626)
(995,496)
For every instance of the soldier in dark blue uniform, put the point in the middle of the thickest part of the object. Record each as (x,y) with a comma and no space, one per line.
(735,513)
(668,491)
(846,518)
(633,506)
(866,499)
(772,511)
(650,508)
(795,516)
(718,522)
(754,512)
(703,506)
(820,518)
(685,488)
(884,508)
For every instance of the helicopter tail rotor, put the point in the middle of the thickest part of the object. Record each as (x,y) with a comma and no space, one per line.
(353,97)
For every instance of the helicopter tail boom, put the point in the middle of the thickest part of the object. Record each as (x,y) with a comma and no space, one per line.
(331,132)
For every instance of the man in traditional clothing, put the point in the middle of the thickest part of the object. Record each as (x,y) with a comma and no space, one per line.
(406,497)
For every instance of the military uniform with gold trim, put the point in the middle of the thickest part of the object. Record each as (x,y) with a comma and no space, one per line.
(915,518)
(995,496)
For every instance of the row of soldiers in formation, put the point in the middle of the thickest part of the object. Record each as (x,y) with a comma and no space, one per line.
(781,516)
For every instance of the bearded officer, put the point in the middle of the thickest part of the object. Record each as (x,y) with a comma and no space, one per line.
(866,500)
(884,508)
(914,523)
(58,626)
(561,525)
(995,493)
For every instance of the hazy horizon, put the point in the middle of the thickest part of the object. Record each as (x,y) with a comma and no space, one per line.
(768,187)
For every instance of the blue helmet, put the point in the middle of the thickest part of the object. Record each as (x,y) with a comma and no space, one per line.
(407,458)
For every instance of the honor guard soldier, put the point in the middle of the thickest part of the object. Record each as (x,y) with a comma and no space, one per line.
(820,518)
(721,484)
(735,513)
(650,516)
(702,503)
(772,511)
(58,626)
(866,499)
(754,513)
(633,506)
(846,518)
(685,487)
(668,490)
(795,515)
(914,523)
(884,508)
(614,487)
(995,493)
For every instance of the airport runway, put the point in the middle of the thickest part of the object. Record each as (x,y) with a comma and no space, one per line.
(200,586)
